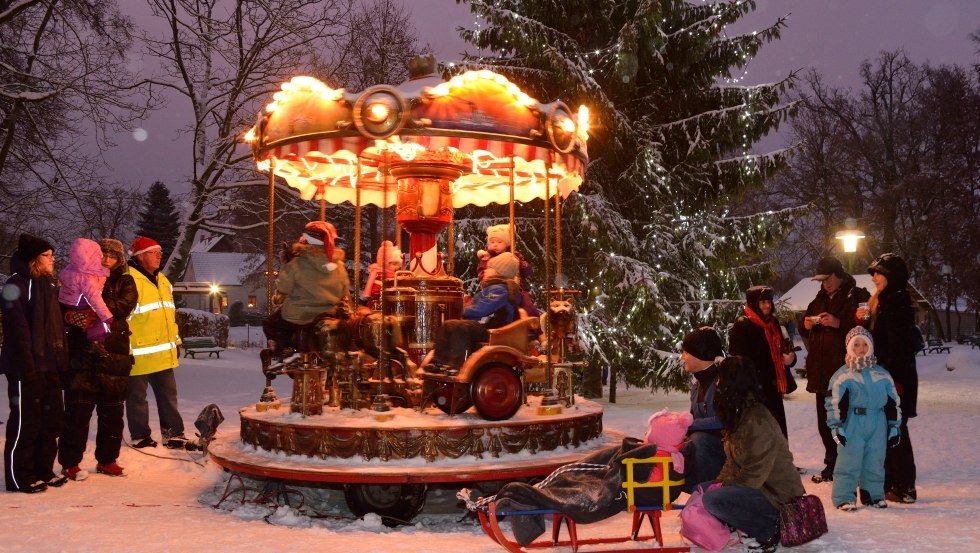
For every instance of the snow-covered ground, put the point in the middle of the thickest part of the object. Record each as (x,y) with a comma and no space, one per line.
(164,503)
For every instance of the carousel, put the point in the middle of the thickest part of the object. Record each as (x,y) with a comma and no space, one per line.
(364,412)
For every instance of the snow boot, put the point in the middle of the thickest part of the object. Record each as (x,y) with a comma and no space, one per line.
(847,506)
(75,473)
(57,481)
(755,545)
(110,469)
(181,442)
(144,442)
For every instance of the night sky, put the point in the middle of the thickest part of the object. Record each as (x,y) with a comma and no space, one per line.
(832,36)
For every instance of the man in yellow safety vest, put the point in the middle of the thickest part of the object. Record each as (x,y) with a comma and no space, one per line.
(154,342)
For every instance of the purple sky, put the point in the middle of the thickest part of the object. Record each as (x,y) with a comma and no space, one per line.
(833,36)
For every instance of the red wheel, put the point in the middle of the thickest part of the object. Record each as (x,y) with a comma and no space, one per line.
(452,399)
(496,392)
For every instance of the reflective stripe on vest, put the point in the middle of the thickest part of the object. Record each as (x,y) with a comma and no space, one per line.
(152,307)
(154,349)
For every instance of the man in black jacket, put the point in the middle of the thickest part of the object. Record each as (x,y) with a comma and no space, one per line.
(827,321)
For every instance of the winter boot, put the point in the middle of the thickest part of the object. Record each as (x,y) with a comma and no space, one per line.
(755,545)
(110,469)
(75,473)
(181,442)
(57,481)
(144,442)
(847,506)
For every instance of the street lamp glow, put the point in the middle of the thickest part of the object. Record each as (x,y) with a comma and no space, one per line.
(850,239)
(214,289)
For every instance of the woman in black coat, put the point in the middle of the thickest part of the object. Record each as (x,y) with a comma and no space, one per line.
(99,379)
(892,325)
(757,336)
(33,358)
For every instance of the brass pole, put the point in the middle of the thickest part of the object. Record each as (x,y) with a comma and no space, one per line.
(513,230)
(357,236)
(558,285)
(549,370)
(271,239)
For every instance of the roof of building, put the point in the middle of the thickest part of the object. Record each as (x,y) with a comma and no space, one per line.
(222,268)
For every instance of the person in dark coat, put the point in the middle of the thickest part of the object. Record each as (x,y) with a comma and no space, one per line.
(757,336)
(33,358)
(892,325)
(701,352)
(99,377)
(828,319)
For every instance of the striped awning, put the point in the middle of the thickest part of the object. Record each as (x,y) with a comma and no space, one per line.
(311,136)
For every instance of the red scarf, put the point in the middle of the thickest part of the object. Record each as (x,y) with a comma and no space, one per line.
(775,339)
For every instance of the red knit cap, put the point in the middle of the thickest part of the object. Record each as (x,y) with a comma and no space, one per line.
(320,232)
(142,244)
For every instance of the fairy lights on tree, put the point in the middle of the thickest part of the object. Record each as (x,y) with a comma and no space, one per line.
(652,240)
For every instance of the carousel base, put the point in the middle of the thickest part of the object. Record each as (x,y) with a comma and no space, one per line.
(405,446)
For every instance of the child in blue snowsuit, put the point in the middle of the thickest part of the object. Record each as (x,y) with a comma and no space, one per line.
(863,414)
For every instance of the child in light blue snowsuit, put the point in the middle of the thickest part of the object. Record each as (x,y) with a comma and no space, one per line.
(864,415)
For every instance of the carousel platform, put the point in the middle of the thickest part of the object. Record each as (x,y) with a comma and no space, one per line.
(406,446)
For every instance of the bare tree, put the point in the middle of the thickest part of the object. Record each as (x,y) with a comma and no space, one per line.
(62,76)
(900,155)
(225,59)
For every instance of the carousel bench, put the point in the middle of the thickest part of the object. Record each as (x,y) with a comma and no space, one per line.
(490,518)
(200,345)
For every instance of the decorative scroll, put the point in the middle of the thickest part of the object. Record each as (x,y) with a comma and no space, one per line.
(386,444)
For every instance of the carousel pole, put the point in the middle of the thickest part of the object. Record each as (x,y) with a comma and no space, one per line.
(511,204)
(323,202)
(380,403)
(558,285)
(271,239)
(549,369)
(357,237)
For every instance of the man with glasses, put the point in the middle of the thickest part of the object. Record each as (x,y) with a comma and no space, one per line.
(154,343)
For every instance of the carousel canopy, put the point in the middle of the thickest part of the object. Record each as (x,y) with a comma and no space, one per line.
(332,145)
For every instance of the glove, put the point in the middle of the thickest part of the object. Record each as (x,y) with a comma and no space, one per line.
(840,438)
(98,331)
(82,318)
(894,437)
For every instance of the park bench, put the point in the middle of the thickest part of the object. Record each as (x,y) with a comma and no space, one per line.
(936,346)
(200,345)
(490,519)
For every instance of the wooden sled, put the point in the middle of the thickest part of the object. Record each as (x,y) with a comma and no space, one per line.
(490,519)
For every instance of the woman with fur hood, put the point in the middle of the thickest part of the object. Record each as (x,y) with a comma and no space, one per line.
(311,283)
(892,325)
(99,374)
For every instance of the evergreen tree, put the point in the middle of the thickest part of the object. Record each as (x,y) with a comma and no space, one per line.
(159,219)
(655,239)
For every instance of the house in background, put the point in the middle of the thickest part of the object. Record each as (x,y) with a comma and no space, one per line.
(216,278)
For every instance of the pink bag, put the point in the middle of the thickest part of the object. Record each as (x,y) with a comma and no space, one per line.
(701,527)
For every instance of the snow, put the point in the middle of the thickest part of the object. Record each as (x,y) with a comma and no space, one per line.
(164,503)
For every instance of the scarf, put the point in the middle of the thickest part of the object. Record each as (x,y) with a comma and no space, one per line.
(775,339)
(860,363)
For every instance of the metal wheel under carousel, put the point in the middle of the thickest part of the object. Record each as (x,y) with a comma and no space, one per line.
(367,413)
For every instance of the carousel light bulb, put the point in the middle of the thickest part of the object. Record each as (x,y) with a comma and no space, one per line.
(377,112)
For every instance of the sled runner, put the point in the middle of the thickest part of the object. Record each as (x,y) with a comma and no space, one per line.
(490,518)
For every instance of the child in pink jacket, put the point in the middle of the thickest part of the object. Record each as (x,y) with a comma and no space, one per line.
(82,281)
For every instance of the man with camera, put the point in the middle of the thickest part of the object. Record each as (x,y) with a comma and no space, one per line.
(826,322)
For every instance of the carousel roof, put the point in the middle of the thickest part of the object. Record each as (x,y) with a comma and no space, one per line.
(334,145)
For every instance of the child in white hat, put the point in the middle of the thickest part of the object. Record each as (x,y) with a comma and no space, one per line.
(863,413)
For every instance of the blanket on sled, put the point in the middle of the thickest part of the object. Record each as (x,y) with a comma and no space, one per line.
(587,491)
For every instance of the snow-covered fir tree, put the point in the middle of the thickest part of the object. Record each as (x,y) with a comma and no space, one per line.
(159,219)
(655,240)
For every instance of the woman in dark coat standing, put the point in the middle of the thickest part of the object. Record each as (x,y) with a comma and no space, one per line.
(757,336)
(99,379)
(33,357)
(892,325)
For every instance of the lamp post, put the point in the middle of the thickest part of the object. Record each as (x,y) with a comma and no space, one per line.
(849,241)
(947,273)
